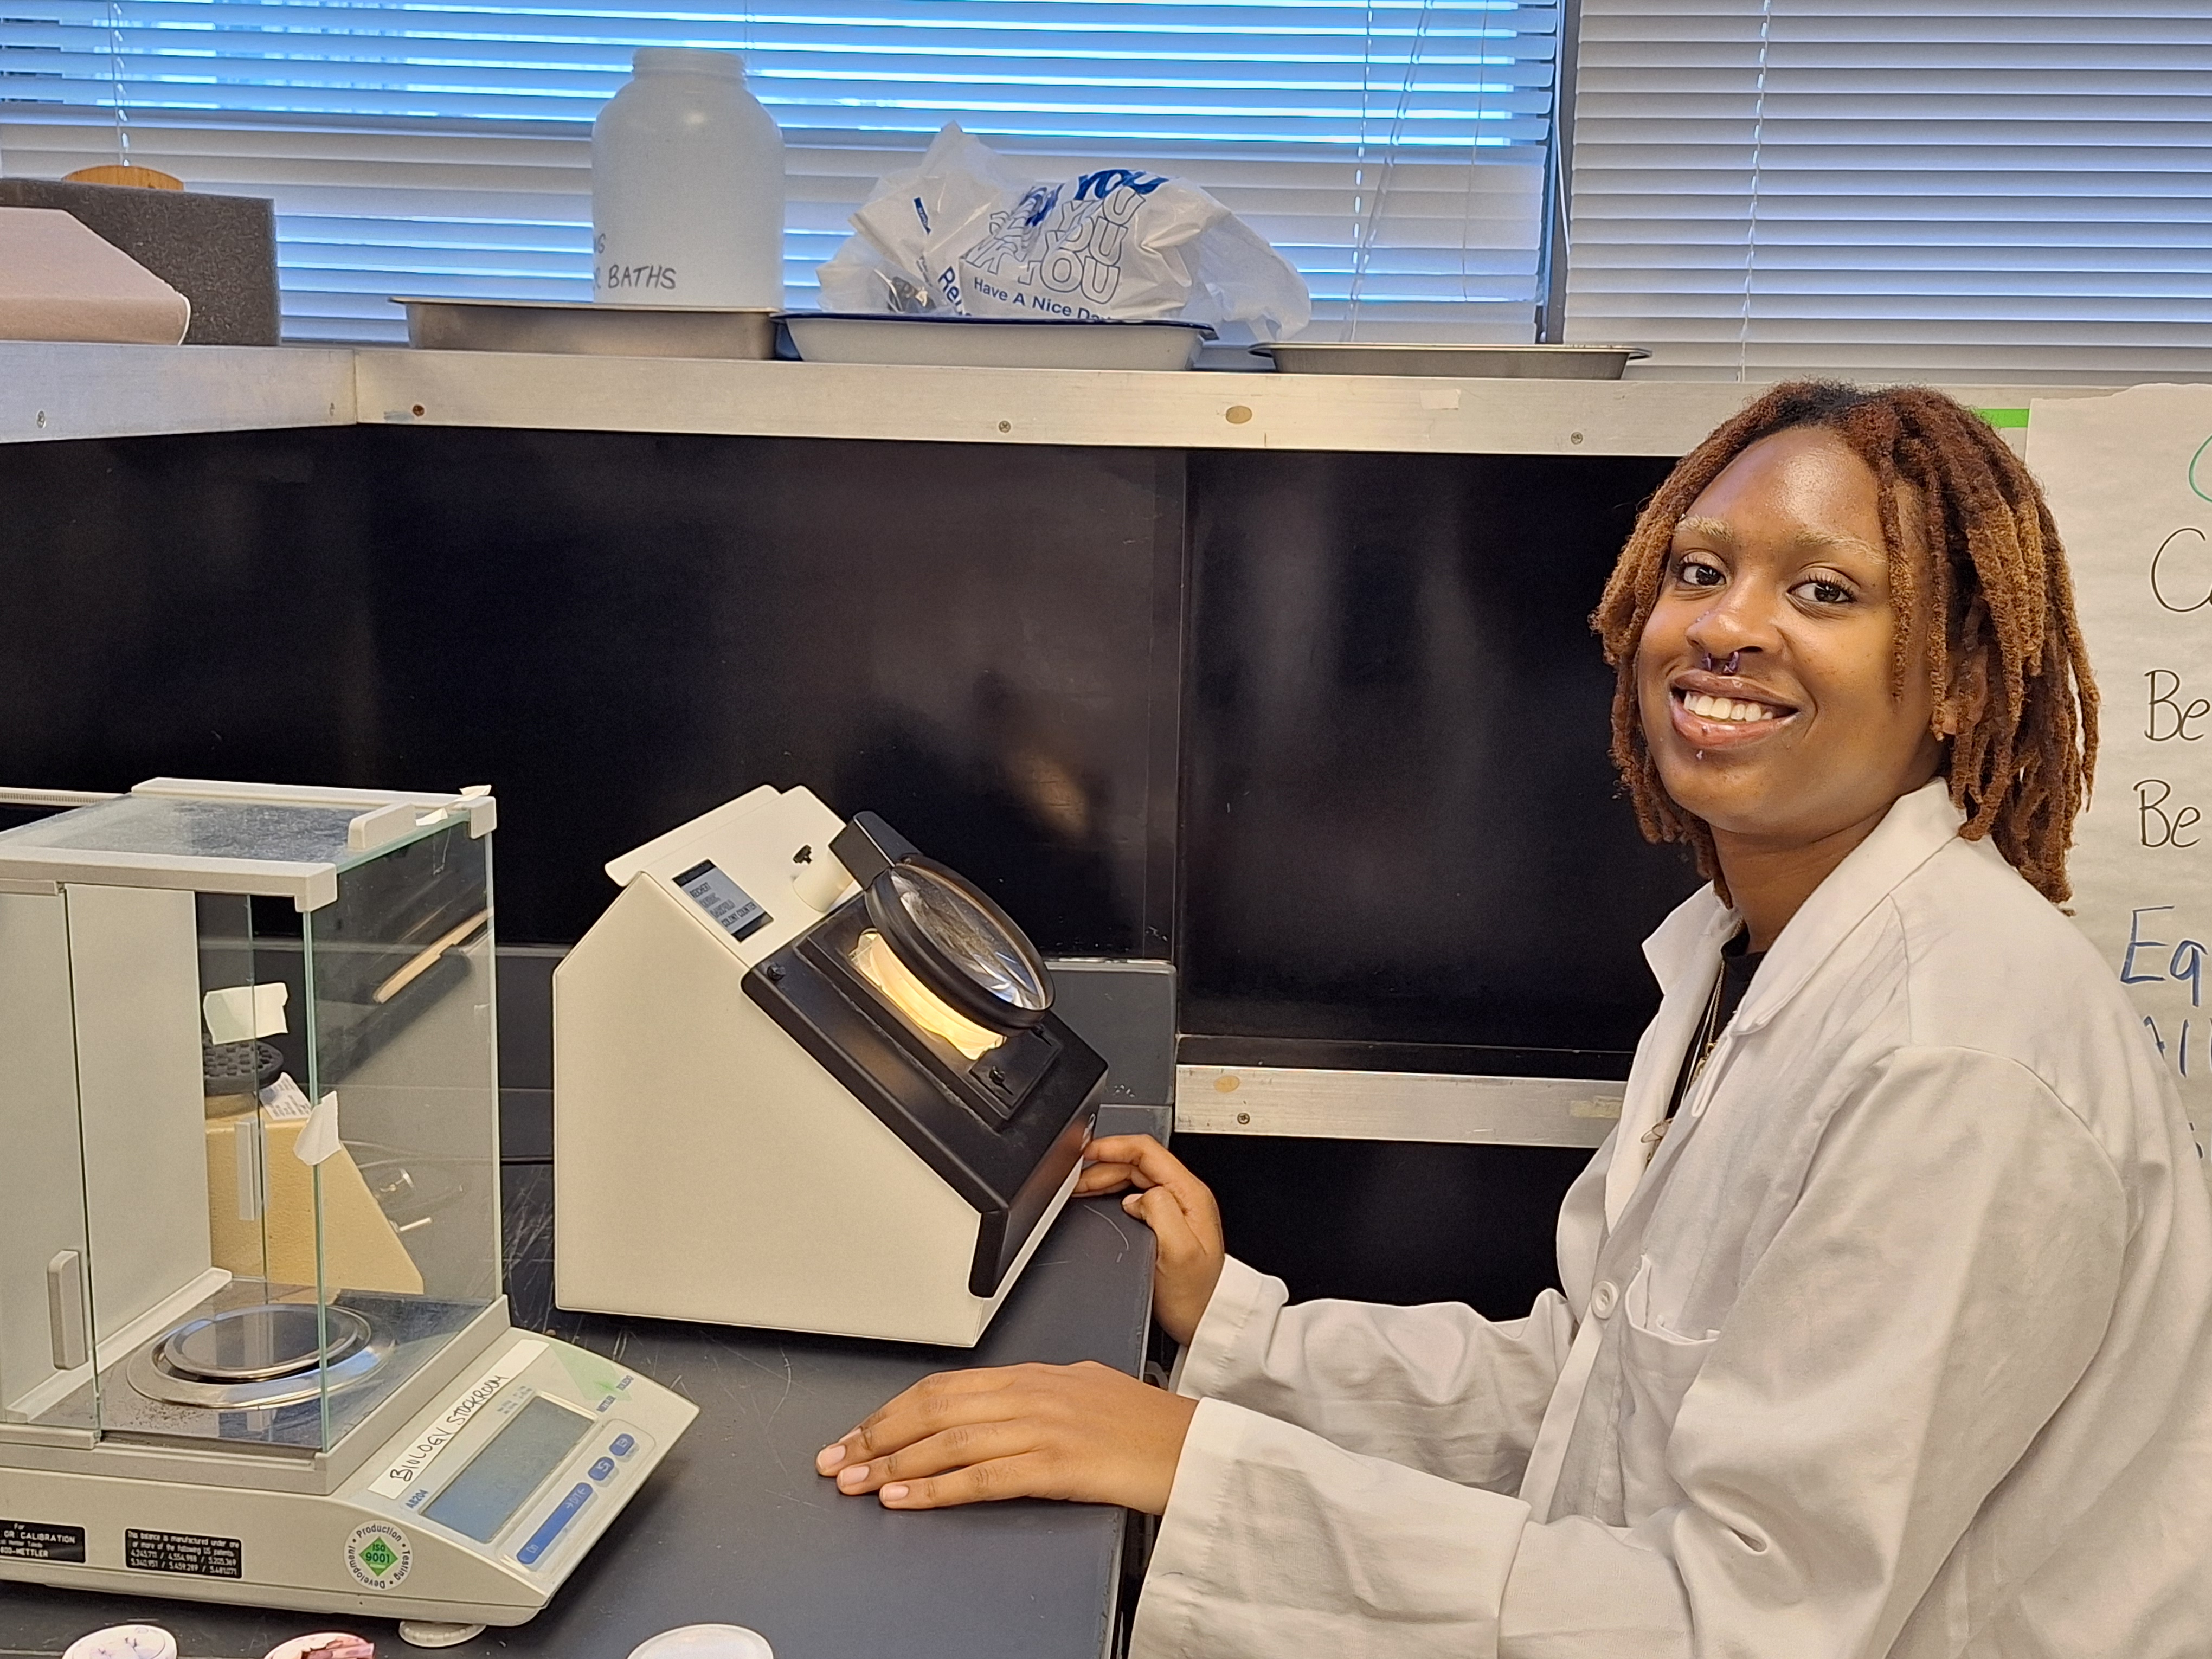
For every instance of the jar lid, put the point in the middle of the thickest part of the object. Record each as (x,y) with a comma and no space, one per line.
(705,1642)
(124,1642)
(688,60)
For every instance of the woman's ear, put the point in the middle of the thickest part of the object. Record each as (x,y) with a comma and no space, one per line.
(1968,698)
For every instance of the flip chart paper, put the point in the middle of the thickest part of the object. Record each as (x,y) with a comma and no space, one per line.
(2130,481)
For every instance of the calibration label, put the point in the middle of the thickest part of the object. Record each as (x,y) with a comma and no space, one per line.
(730,908)
(41,1540)
(378,1556)
(183,1552)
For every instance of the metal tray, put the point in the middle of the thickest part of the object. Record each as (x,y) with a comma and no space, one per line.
(580,327)
(1502,362)
(832,336)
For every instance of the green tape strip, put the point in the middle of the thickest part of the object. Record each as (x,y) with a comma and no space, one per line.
(2003,418)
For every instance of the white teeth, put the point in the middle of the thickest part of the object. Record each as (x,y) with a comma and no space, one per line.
(1726,709)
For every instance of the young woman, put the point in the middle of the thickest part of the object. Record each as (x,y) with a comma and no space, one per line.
(1887,1321)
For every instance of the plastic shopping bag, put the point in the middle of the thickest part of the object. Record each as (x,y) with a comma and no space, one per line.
(962,233)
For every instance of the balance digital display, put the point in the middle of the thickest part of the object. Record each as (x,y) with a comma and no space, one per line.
(483,1496)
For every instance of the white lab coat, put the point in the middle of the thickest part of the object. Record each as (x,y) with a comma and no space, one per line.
(1898,1347)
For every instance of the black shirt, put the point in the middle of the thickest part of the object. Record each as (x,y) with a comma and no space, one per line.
(1738,964)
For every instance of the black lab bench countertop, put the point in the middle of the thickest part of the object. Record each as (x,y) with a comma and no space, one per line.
(735,1528)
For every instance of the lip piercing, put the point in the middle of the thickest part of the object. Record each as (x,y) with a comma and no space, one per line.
(1728,667)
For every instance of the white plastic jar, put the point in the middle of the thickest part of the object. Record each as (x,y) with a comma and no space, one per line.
(687,186)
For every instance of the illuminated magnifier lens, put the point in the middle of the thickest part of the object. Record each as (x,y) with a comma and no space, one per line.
(927,1011)
(972,941)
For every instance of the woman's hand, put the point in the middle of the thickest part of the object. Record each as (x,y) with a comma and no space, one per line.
(1181,1213)
(1086,1433)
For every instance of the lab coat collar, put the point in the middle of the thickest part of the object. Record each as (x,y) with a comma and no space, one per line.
(1687,940)
(1684,955)
(1916,826)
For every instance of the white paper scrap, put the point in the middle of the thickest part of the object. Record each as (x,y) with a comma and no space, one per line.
(318,1138)
(284,1100)
(240,1013)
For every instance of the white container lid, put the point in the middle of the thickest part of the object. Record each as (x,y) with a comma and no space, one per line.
(705,1642)
(124,1642)
(688,60)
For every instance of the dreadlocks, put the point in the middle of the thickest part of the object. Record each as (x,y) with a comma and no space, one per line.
(2020,770)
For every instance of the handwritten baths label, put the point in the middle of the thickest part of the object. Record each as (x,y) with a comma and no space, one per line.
(2130,481)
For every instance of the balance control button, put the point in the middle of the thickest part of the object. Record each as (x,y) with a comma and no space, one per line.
(624,1445)
(1604,1298)
(603,1468)
(551,1527)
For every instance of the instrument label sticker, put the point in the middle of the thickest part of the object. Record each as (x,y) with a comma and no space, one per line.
(41,1540)
(188,1553)
(727,905)
(404,1470)
(378,1556)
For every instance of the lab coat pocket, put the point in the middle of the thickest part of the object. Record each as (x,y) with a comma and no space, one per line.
(1657,1367)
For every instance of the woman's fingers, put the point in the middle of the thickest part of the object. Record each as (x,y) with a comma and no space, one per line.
(1184,1218)
(1085,1431)
(933,1404)
(1185,1226)
(1151,1164)
(952,1449)
(1104,1178)
(1028,1475)
(1112,1162)
(1171,1227)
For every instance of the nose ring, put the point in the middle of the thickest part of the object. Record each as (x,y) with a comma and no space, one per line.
(1728,667)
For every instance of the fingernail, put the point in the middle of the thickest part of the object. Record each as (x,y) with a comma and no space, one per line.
(853,1476)
(1129,1200)
(829,1457)
(892,1494)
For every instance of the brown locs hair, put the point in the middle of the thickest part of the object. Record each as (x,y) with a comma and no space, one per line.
(2020,770)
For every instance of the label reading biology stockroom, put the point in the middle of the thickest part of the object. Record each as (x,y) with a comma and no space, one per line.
(41,1540)
(183,1552)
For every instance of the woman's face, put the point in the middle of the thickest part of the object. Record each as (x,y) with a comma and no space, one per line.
(1779,566)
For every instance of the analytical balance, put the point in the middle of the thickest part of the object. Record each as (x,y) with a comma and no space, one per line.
(253,1346)
(806,1079)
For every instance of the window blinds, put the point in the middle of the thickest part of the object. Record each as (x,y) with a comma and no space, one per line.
(1394,149)
(1964,190)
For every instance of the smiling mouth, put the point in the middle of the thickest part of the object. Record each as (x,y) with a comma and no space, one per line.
(1732,711)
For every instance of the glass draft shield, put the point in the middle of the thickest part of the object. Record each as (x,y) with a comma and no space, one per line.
(252,1182)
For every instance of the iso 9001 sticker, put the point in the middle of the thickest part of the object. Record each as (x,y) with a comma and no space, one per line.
(378,1556)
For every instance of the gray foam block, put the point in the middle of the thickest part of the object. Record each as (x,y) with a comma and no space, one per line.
(219,252)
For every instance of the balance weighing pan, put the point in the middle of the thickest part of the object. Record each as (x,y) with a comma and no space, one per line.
(908,339)
(1472,362)
(579,327)
(258,1357)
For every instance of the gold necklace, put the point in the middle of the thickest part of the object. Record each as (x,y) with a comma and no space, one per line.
(1708,1037)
